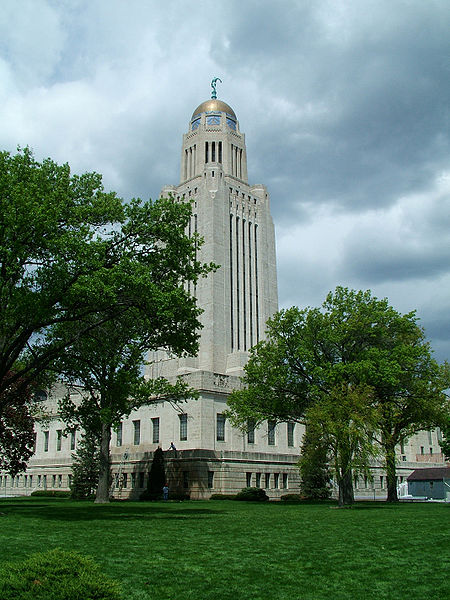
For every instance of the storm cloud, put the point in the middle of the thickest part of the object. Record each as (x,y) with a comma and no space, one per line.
(345,106)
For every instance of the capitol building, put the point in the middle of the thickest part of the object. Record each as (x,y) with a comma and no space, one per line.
(233,217)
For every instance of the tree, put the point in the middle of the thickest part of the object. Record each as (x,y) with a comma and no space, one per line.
(314,470)
(107,358)
(108,364)
(355,340)
(156,476)
(57,243)
(445,442)
(344,423)
(74,258)
(85,467)
(16,426)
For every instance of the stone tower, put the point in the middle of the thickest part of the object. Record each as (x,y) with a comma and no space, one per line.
(234,220)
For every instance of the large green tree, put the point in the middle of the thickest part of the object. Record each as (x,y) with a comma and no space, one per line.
(74,257)
(354,339)
(108,364)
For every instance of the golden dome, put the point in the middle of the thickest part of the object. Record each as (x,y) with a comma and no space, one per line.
(213,105)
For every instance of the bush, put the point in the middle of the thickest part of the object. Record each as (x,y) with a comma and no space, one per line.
(222,497)
(56,575)
(252,495)
(50,494)
(292,498)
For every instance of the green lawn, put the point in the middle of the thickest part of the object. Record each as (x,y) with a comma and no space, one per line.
(235,550)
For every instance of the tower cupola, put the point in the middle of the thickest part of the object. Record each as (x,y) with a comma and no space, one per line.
(214,142)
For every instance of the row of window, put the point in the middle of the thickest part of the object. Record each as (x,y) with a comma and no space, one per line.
(275,481)
(28,481)
(220,431)
(363,482)
(59,438)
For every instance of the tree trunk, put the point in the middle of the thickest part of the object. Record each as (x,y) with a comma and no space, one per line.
(104,479)
(389,449)
(346,496)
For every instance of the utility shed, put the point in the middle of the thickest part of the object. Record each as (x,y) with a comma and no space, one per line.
(430,483)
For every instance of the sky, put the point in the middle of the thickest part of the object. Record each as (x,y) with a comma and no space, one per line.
(345,106)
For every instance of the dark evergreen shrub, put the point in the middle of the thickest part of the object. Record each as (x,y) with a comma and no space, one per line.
(51,494)
(56,575)
(85,468)
(314,470)
(252,494)
(156,478)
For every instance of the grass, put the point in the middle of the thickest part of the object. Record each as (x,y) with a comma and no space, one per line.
(226,550)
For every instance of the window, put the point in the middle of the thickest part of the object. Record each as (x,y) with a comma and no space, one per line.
(381,482)
(276,480)
(290,434)
(45,481)
(141,479)
(59,480)
(46,433)
(133,480)
(422,450)
(39,480)
(58,439)
(137,433)
(183,427)
(30,481)
(220,433)
(210,479)
(267,481)
(271,433)
(73,439)
(124,480)
(251,431)
(285,481)
(258,480)
(186,480)
(248,479)
(155,430)
(119,431)
(431,450)
(54,481)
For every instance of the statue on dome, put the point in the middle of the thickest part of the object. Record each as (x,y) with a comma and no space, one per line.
(213,85)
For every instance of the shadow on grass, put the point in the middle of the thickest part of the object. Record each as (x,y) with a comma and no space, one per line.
(65,510)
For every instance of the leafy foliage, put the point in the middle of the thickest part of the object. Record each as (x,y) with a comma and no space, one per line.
(85,467)
(445,442)
(252,494)
(56,575)
(73,259)
(353,341)
(50,494)
(314,471)
(16,425)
